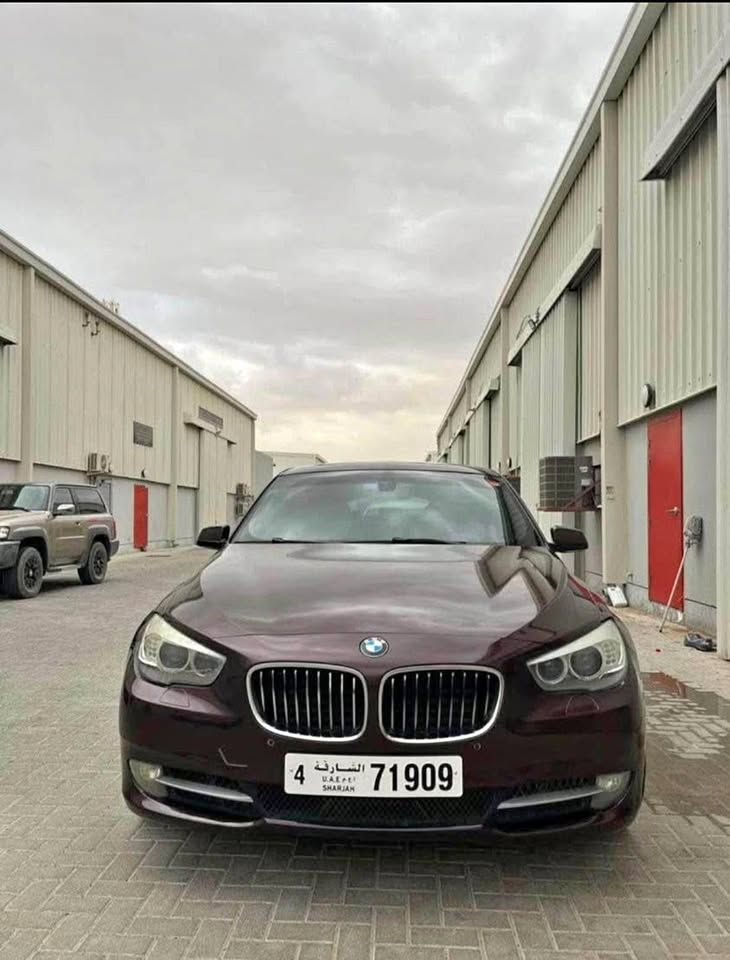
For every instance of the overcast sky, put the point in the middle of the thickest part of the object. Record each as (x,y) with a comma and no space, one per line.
(316,205)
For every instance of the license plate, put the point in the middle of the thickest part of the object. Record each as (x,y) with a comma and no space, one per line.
(322,775)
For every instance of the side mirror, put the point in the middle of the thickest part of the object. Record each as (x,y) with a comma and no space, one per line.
(567,540)
(214,538)
(63,509)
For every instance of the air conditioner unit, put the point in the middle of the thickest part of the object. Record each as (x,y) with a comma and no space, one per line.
(98,464)
(567,484)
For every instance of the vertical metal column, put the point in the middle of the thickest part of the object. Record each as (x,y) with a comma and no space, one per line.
(722,358)
(504,389)
(613,458)
(27,397)
(174,457)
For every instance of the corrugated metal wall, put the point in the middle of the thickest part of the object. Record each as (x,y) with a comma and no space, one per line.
(532,399)
(236,427)
(548,399)
(590,356)
(549,410)
(477,437)
(514,378)
(459,413)
(11,305)
(668,228)
(487,369)
(496,430)
(577,217)
(90,389)
(443,439)
(215,468)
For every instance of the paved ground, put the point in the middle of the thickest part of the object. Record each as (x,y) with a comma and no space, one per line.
(81,877)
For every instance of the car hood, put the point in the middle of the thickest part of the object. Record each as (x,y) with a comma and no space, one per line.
(9,518)
(451,592)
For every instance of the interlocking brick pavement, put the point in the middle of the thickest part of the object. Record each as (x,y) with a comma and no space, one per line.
(82,877)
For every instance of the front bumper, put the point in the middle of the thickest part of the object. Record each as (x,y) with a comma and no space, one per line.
(113,547)
(219,801)
(556,744)
(8,553)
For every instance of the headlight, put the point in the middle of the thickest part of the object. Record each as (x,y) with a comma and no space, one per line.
(165,655)
(593,662)
(4,533)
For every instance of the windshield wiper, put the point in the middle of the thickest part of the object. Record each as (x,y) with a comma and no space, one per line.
(422,540)
(284,540)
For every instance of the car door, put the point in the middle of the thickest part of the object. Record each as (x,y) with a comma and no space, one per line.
(65,532)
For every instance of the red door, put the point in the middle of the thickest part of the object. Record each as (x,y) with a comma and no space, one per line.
(141,503)
(666,514)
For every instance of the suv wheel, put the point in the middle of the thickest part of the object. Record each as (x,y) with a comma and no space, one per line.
(23,581)
(94,570)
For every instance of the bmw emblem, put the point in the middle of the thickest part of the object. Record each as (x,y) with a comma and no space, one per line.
(373,646)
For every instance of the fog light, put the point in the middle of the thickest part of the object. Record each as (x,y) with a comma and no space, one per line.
(612,781)
(146,775)
(612,786)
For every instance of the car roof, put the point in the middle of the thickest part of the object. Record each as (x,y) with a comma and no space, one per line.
(386,465)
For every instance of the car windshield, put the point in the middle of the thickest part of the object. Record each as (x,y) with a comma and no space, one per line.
(368,506)
(23,496)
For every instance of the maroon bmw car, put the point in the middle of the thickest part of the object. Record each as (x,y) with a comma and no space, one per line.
(388,647)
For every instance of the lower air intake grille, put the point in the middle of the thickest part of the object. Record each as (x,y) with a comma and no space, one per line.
(438,703)
(375,812)
(309,700)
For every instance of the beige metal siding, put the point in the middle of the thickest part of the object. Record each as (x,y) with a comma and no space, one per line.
(189,464)
(680,42)
(214,471)
(667,267)
(11,305)
(548,410)
(90,390)
(515,417)
(496,428)
(577,218)
(236,428)
(459,414)
(531,399)
(668,239)
(487,369)
(477,437)
(443,439)
(590,356)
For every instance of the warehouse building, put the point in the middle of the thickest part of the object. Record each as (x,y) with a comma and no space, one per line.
(610,342)
(283,460)
(87,397)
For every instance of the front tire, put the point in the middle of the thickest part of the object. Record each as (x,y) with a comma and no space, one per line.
(94,570)
(24,580)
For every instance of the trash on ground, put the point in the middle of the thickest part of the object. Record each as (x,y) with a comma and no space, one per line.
(698,642)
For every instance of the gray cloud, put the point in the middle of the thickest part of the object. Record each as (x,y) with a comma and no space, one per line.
(317,204)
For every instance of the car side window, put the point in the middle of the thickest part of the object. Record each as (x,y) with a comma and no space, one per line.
(61,495)
(524,528)
(88,500)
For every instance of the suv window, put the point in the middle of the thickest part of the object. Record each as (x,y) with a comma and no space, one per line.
(61,495)
(88,500)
